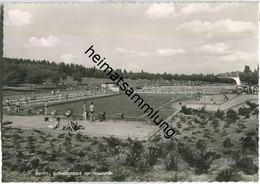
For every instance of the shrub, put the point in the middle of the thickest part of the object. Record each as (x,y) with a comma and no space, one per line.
(248,143)
(134,154)
(31,147)
(231,116)
(215,123)
(224,133)
(179,125)
(201,145)
(19,155)
(200,161)
(244,112)
(186,153)
(241,126)
(193,126)
(211,117)
(186,110)
(197,121)
(227,124)
(70,159)
(173,178)
(177,132)
(228,174)
(152,155)
(189,123)
(35,163)
(220,114)
(79,137)
(67,140)
(246,165)
(60,178)
(203,161)
(251,133)
(227,143)
(119,175)
(156,138)
(256,112)
(207,135)
(112,141)
(171,162)
(113,144)
(251,105)
(169,146)
(200,112)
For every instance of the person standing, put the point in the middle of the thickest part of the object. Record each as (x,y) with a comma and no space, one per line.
(85,112)
(18,106)
(92,112)
(26,102)
(212,100)
(8,103)
(46,107)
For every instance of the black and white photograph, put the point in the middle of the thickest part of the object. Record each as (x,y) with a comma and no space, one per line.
(130,92)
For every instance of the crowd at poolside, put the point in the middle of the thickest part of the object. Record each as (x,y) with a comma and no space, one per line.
(88,110)
(30,102)
(72,124)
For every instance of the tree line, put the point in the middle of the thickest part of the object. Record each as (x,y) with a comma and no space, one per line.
(20,71)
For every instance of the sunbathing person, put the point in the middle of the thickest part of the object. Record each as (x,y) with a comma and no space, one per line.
(56,125)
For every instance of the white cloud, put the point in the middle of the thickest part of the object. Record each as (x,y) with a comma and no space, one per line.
(195,8)
(161,10)
(68,58)
(202,8)
(237,56)
(214,49)
(221,26)
(195,27)
(169,52)
(221,52)
(131,52)
(168,10)
(50,41)
(18,17)
(228,25)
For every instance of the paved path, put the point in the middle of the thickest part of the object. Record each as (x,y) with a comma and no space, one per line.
(226,105)
(120,129)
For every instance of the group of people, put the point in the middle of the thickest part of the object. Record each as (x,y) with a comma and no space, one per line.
(17,104)
(199,94)
(90,114)
(71,125)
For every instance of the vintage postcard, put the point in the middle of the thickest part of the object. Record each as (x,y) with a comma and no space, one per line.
(130,92)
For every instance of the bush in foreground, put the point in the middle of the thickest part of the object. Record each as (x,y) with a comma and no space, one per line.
(246,165)
(171,163)
(228,174)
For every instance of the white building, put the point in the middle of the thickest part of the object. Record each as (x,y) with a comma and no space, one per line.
(110,86)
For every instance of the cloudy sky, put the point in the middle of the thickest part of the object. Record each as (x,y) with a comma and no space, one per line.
(167,37)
